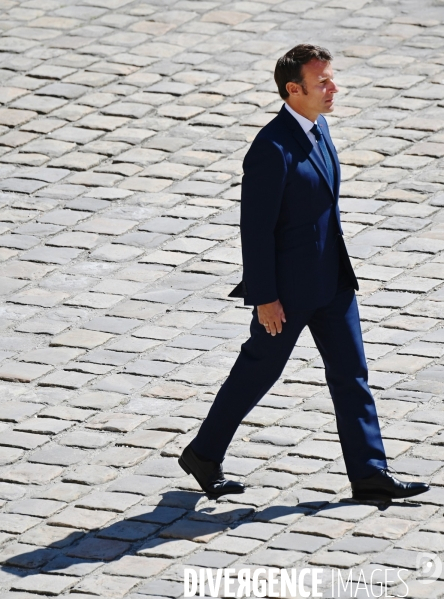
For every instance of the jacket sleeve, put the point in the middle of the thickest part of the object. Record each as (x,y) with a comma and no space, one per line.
(263,183)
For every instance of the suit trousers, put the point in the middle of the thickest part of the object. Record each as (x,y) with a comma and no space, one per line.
(337,333)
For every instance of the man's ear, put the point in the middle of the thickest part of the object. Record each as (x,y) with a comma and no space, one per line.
(293,88)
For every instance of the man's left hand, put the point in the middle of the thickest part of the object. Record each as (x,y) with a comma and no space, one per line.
(271,316)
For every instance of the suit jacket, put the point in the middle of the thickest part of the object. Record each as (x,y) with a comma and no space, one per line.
(292,244)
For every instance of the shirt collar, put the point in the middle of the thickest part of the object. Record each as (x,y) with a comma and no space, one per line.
(305,123)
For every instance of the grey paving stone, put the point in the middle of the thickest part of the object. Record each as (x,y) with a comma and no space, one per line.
(9,455)
(20,372)
(200,532)
(387,528)
(241,547)
(91,475)
(318,449)
(162,588)
(297,465)
(54,536)
(211,559)
(260,531)
(86,440)
(278,480)
(399,363)
(116,502)
(199,375)
(145,240)
(67,413)
(16,523)
(39,297)
(389,336)
(102,584)
(26,556)
(241,466)
(163,296)
(336,559)
(435,497)
(70,566)
(101,549)
(298,542)
(10,491)
(390,299)
(121,383)
(148,439)
(359,545)
(10,285)
(73,517)
(149,368)
(329,528)
(43,326)
(16,411)
(53,356)
(26,473)
(280,436)
(120,457)
(401,558)
(81,338)
(24,270)
(140,567)
(50,255)
(62,492)
(104,356)
(64,378)
(23,440)
(140,485)
(195,342)
(171,390)
(421,540)
(21,185)
(41,583)
(178,356)
(276,558)
(75,240)
(57,455)
(137,310)
(163,467)
(410,431)
(347,511)
(97,400)
(167,548)
(41,508)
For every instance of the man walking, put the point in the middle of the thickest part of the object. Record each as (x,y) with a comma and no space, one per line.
(297,273)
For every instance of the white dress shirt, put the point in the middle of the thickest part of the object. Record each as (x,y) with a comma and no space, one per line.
(306,125)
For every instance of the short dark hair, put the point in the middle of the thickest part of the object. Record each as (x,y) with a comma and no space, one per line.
(289,67)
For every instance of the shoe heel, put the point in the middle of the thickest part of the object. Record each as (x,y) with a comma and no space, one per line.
(184,466)
(373,498)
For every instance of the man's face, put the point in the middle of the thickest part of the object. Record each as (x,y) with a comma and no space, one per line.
(316,95)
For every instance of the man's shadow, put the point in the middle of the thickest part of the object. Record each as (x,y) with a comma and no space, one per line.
(80,553)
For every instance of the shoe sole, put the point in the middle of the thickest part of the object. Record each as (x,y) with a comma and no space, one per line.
(376,498)
(385,498)
(187,469)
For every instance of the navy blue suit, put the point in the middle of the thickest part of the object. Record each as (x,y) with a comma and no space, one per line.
(293,250)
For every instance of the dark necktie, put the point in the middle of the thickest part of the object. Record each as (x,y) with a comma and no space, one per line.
(325,153)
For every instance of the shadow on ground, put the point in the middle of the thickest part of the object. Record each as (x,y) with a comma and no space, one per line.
(149,530)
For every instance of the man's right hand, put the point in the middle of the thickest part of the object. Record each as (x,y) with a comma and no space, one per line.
(271,316)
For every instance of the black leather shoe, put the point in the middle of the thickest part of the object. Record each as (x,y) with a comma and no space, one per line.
(209,475)
(383,486)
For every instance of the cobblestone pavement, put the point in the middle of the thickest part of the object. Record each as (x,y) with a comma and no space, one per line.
(123,125)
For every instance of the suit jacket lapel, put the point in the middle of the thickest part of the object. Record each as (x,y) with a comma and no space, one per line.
(334,156)
(314,157)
